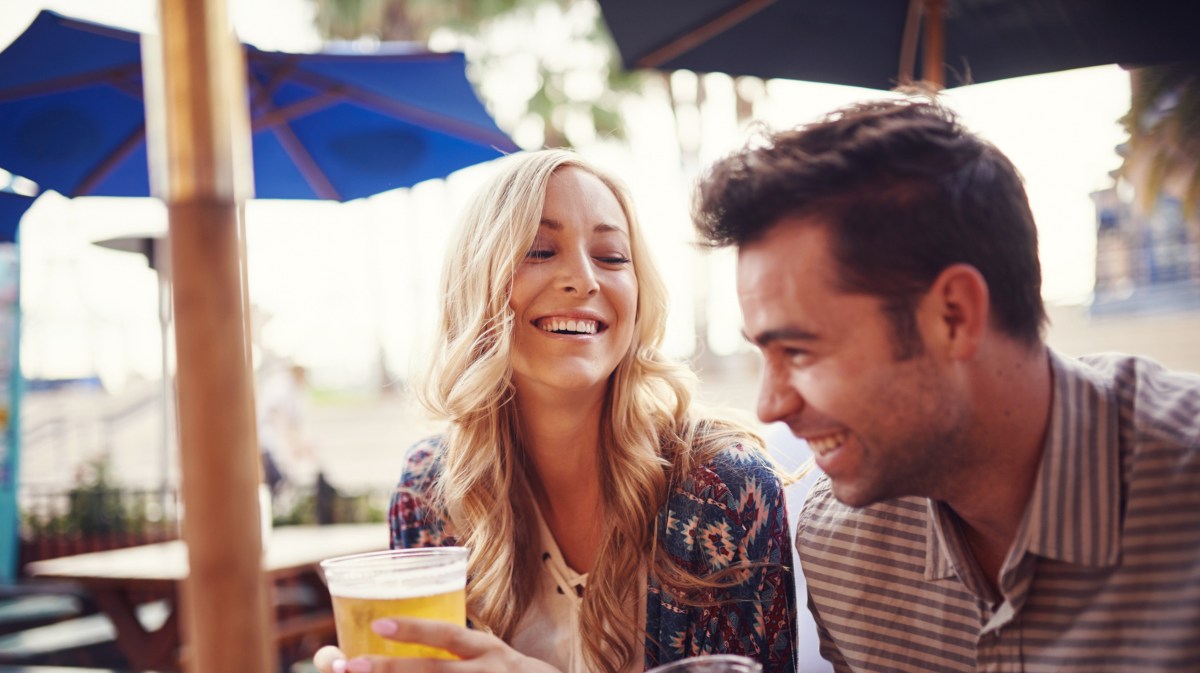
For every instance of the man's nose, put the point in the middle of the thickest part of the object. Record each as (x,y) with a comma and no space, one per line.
(778,399)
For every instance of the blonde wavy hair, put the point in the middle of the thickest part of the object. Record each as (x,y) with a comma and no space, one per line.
(649,435)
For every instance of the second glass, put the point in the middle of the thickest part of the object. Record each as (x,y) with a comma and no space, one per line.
(713,663)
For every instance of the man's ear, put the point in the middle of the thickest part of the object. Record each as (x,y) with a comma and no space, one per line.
(956,310)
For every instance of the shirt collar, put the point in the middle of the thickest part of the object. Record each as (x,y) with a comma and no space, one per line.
(1074,511)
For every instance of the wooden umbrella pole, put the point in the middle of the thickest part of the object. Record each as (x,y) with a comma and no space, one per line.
(203,112)
(908,44)
(933,68)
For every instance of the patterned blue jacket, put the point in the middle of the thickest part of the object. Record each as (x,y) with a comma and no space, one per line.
(728,511)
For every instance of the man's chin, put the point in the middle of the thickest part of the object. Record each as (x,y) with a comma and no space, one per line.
(854,495)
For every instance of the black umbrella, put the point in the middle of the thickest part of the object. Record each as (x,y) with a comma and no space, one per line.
(877,43)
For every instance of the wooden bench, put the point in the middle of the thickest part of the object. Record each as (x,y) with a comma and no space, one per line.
(73,634)
(27,611)
(54,669)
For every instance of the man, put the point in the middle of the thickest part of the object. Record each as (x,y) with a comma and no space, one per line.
(988,504)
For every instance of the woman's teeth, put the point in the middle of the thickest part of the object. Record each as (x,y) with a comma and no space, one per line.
(573,326)
(823,445)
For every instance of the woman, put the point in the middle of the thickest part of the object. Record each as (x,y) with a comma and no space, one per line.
(611,529)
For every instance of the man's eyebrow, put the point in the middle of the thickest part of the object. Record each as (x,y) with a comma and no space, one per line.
(782,334)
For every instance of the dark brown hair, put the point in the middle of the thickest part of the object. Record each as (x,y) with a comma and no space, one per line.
(905,191)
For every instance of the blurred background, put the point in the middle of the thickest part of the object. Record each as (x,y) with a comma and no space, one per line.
(343,294)
(347,290)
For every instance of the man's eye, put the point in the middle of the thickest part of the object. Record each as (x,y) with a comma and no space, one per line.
(539,254)
(796,355)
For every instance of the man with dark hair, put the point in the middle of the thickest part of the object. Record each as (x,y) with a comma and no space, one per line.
(987,504)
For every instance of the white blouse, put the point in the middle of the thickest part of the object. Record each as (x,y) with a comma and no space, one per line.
(549,629)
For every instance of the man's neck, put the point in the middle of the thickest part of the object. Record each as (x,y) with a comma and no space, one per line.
(1014,396)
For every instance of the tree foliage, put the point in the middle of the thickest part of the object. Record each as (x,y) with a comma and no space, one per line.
(1163,153)
(554,57)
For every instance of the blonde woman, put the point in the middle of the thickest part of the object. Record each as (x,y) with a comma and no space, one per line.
(611,529)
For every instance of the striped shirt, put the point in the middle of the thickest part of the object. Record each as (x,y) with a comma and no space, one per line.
(1104,574)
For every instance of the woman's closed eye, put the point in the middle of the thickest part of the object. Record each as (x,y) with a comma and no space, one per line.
(614,259)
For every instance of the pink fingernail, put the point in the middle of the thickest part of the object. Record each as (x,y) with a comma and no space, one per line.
(339,666)
(384,627)
(359,665)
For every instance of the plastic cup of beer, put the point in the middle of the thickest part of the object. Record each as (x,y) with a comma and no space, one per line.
(712,663)
(427,582)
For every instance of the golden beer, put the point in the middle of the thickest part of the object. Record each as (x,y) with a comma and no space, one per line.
(353,617)
(427,583)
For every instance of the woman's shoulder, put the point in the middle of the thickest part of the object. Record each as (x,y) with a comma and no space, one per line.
(738,458)
(737,468)
(733,499)
(413,513)
(423,463)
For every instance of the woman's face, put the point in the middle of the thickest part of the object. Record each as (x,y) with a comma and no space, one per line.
(575,293)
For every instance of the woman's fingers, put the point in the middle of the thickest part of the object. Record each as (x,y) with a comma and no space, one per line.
(477,652)
(457,640)
(325,657)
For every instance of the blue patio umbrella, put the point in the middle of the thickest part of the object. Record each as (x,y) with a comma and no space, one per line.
(324,125)
(12,209)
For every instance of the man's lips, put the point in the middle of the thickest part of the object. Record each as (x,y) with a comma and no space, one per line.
(823,444)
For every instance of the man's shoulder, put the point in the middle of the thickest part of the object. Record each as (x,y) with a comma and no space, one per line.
(823,519)
(1163,404)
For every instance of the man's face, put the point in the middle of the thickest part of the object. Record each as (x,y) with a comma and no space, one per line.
(878,426)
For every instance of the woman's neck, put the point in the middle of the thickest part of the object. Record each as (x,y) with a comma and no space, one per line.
(560,436)
(560,439)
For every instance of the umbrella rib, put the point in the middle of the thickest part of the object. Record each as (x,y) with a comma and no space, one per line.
(316,178)
(262,92)
(112,76)
(101,171)
(703,33)
(282,115)
(411,113)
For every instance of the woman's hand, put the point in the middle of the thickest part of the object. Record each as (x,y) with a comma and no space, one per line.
(478,652)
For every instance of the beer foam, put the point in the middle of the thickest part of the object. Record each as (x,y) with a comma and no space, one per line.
(411,583)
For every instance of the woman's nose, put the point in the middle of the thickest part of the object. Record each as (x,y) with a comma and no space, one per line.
(577,275)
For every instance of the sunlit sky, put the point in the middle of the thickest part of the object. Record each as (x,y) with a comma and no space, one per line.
(341,283)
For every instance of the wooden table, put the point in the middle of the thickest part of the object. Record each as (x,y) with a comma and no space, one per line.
(117,578)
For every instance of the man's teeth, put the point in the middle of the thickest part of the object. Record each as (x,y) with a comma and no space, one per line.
(576,326)
(823,445)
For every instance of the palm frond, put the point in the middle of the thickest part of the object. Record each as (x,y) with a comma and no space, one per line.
(1163,123)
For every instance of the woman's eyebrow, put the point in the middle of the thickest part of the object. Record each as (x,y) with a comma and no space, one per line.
(602,228)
